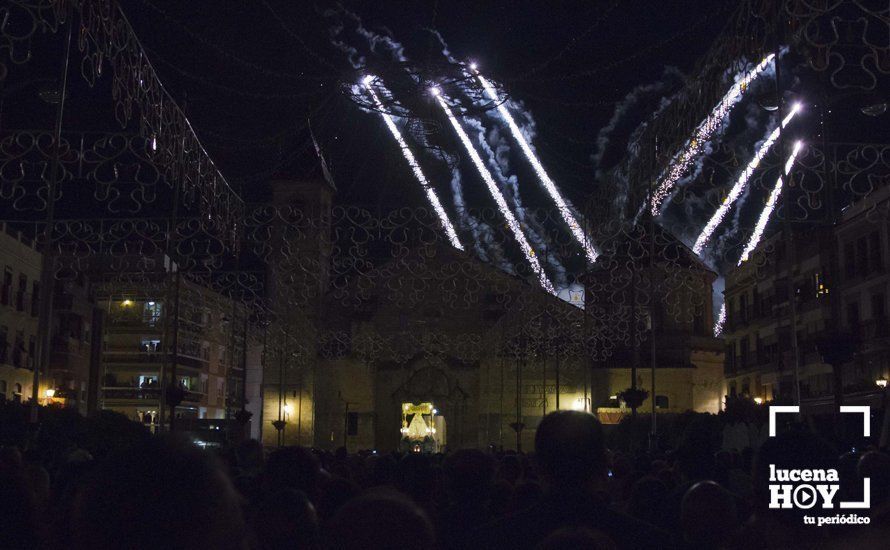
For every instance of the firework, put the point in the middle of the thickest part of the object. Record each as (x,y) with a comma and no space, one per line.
(770,206)
(702,133)
(548,183)
(740,184)
(418,172)
(496,194)
(721,320)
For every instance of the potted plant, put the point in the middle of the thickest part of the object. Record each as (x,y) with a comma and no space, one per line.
(633,397)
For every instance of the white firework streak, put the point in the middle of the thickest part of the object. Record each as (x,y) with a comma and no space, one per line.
(721,319)
(740,184)
(702,133)
(548,183)
(497,196)
(418,173)
(770,206)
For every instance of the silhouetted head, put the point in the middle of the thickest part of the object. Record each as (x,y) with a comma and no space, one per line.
(876,466)
(286,520)
(708,515)
(647,498)
(577,538)
(792,450)
(294,468)
(159,493)
(380,520)
(569,447)
(468,475)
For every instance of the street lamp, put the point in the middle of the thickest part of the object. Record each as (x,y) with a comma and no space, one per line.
(881,382)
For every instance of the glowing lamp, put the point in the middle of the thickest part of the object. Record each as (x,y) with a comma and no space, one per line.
(288,409)
(758,400)
(435,91)
(881,382)
(435,411)
(127,303)
(473,66)
(50,392)
(367,79)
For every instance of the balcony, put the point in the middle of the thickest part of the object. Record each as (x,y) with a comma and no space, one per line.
(132,393)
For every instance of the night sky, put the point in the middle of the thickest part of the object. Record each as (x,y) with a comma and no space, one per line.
(582,76)
(249,84)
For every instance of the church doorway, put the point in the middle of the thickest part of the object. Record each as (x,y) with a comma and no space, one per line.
(423,428)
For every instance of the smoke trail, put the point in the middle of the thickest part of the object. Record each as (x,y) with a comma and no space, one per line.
(548,183)
(415,167)
(499,158)
(702,134)
(740,184)
(718,298)
(616,147)
(512,223)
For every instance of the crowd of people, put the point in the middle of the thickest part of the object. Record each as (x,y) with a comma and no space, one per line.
(163,492)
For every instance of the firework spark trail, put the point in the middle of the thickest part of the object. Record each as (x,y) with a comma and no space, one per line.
(496,149)
(496,195)
(548,184)
(770,206)
(702,133)
(740,184)
(721,320)
(418,173)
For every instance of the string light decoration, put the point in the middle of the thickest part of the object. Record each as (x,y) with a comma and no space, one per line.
(564,210)
(368,82)
(496,194)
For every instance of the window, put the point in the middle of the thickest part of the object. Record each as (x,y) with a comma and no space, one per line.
(352,423)
(862,263)
(150,345)
(877,306)
(819,284)
(17,393)
(151,313)
(698,324)
(743,352)
(661,402)
(23,290)
(6,289)
(3,390)
(35,299)
(874,251)
(4,344)
(853,315)
(849,261)
(743,307)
